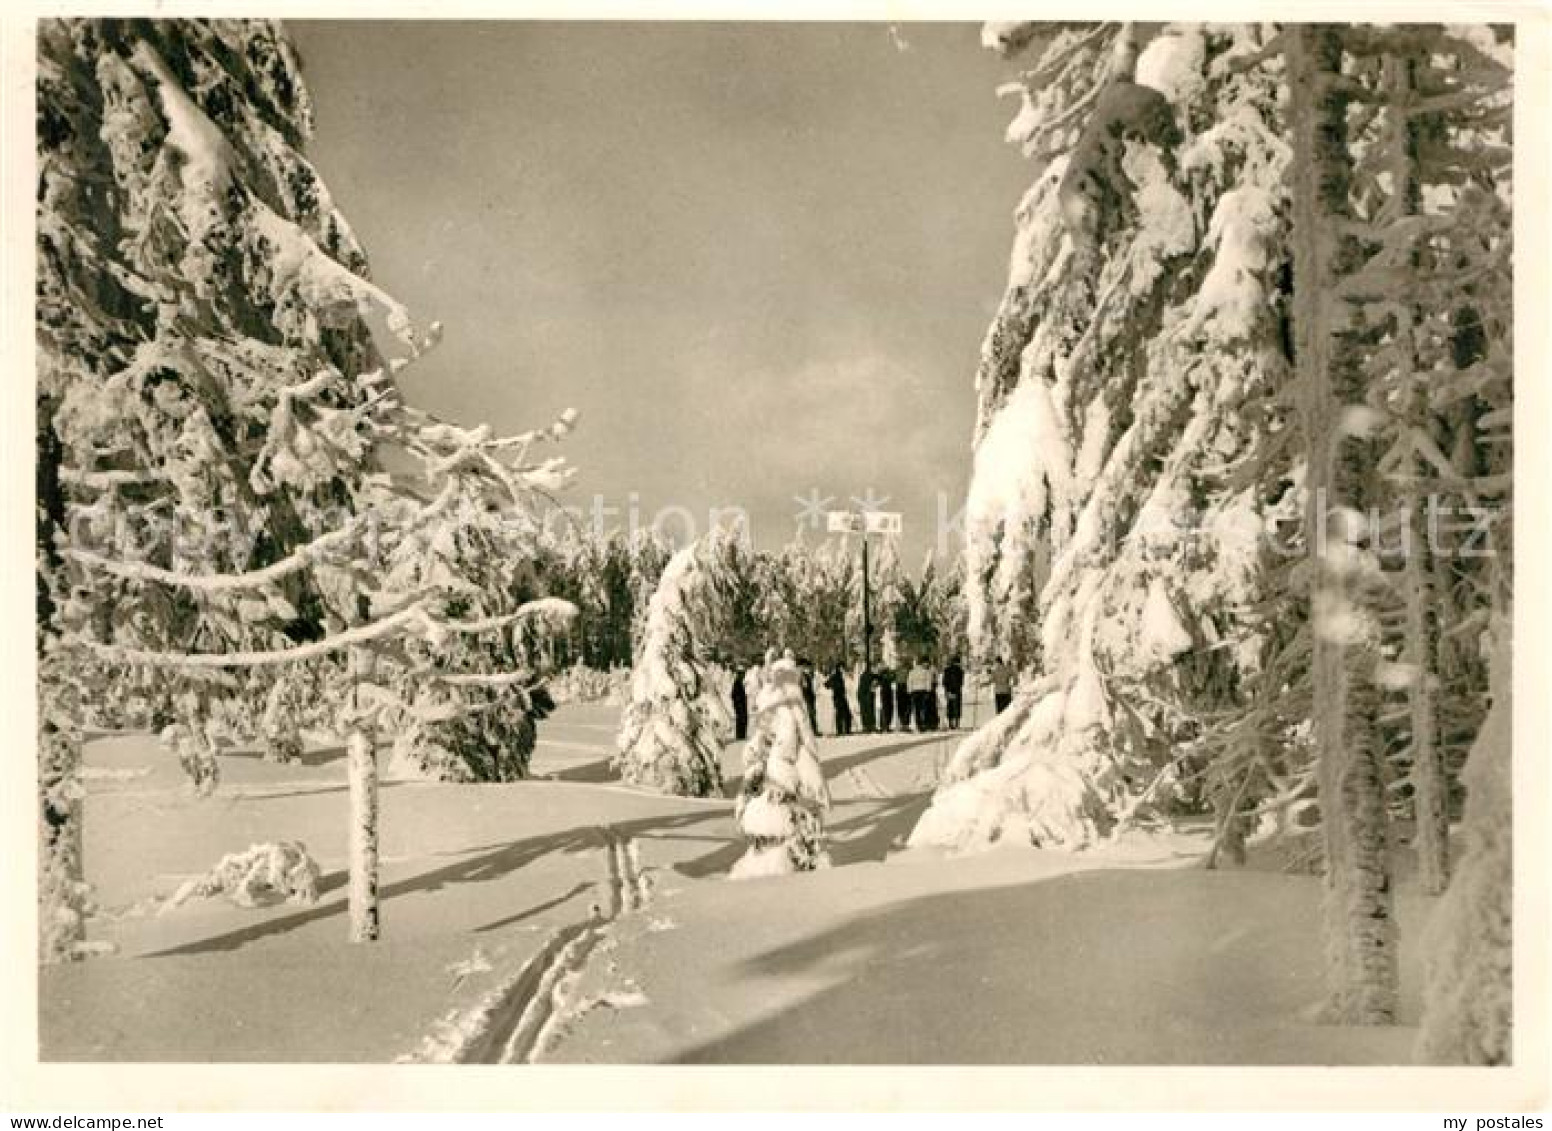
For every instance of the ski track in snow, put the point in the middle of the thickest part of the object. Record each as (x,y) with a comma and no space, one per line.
(523,1019)
(867,785)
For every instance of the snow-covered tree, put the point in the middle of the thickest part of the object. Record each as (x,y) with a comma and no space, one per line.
(887,582)
(1394,129)
(1432,194)
(748,591)
(64,898)
(1341,486)
(162,332)
(819,603)
(719,598)
(609,576)
(469,705)
(676,722)
(783,798)
(1127,423)
(1139,379)
(290,702)
(649,555)
(927,612)
(217,403)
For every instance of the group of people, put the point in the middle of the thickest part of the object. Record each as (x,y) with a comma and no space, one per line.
(886,698)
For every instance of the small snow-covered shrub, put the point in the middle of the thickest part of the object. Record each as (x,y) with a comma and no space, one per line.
(781,807)
(194,738)
(582,684)
(290,704)
(262,875)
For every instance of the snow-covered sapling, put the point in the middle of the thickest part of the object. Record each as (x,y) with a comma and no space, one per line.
(782,804)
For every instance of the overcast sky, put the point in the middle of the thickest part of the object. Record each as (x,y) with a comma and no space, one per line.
(758,258)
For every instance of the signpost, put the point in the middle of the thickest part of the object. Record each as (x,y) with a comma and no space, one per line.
(864,523)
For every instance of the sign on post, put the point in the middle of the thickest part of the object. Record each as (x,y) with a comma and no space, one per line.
(864,522)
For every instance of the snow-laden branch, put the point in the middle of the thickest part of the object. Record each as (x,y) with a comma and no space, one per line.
(553,608)
(362,634)
(413,617)
(294,562)
(483,679)
(1059,57)
(444,449)
(104,480)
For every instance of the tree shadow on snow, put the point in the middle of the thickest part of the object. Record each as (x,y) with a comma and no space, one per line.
(836,766)
(537,909)
(255,791)
(872,834)
(317,756)
(883,829)
(588,773)
(481,867)
(868,835)
(1126,966)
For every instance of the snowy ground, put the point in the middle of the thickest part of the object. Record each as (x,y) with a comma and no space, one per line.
(570,919)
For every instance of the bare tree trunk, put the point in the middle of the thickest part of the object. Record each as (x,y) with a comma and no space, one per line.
(1359,922)
(1430,793)
(1429,789)
(361,766)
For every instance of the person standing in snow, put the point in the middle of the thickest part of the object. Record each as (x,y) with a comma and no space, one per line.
(953,692)
(932,699)
(810,696)
(884,682)
(1002,684)
(740,707)
(836,682)
(903,699)
(919,684)
(865,685)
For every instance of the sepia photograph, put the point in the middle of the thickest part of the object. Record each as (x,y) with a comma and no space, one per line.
(679,542)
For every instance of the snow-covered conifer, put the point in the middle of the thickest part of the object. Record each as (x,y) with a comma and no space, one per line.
(1432,191)
(649,555)
(927,612)
(820,603)
(216,403)
(1125,415)
(676,723)
(64,899)
(783,799)
(287,707)
(1360,935)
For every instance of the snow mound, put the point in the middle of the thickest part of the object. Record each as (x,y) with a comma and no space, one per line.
(1469,1002)
(1041,802)
(757,863)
